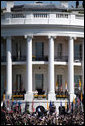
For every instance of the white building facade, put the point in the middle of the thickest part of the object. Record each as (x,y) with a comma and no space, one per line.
(40,48)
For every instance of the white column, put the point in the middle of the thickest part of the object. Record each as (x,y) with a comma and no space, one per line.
(83,66)
(9,67)
(71,67)
(29,94)
(51,93)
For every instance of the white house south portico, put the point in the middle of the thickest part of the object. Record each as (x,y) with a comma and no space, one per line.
(51,83)
(40,53)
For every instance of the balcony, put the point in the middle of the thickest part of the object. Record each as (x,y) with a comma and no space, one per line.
(18,59)
(60,18)
(18,94)
(43,58)
(61,58)
(62,94)
(77,59)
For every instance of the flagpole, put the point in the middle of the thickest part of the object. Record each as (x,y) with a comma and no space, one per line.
(3,97)
(81,101)
(65,105)
(73,103)
(47,105)
(79,85)
(66,85)
(56,86)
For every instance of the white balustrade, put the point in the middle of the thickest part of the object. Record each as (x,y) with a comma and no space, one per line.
(81,17)
(18,15)
(40,15)
(42,18)
(61,15)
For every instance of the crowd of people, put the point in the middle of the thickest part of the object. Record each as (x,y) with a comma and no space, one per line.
(47,117)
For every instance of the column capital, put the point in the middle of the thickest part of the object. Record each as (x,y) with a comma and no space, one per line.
(72,37)
(51,36)
(28,36)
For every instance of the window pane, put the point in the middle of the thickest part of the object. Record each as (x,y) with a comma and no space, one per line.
(39,49)
(2,49)
(39,81)
(76,80)
(59,49)
(18,49)
(78,51)
(59,80)
(18,80)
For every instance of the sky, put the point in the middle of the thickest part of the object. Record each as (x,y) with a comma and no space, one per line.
(3,3)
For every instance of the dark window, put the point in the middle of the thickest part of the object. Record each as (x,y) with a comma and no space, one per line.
(2,49)
(18,82)
(77,51)
(76,83)
(39,81)
(59,80)
(76,80)
(59,49)
(39,46)
(18,49)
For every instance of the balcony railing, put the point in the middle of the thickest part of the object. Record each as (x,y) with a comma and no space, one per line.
(21,58)
(61,58)
(61,94)
(43,58)
(18,94)
(77,59)
(42,18)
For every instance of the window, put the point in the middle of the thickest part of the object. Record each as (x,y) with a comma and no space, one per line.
(39,49)
(76,81)
(59,80)
(18,82)
(39,81)
(77,51)
(18,49)
(59,49)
